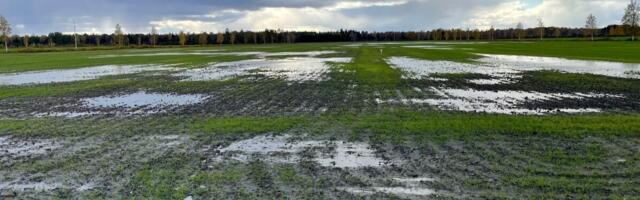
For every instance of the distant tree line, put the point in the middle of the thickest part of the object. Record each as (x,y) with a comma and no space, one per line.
(629,27)
(120,39)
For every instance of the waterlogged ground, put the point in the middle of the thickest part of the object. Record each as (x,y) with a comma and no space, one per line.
(421,120)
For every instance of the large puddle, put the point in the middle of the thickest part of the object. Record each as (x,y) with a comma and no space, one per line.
(12,149)
(417,68)
(139,103)
(291,69)
(286,149)
(398,191)
(69,75)
(499,102)
(533,63)
(405,187)
(503,70)
(143,99)
(510,66)
(434,47)
(258,54)
(15,150)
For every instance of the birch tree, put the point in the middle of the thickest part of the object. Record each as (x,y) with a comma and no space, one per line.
(232,37)
(220,38)
(5,31)
(541,28)
(202,39)
(119,35)
(492,33)
(182,38)
(25,41)
(632,18)
(520,31)
(591,25)
(255,37)
(154,36)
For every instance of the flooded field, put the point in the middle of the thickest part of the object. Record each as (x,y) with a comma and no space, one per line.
(291,69)
(80,74)
(430,47)
(503,70)
(141,99)
(284,149)
(290,164)
(258,54)
(501,102)
(135,104)
(531,63)
(377,120)
(417,68)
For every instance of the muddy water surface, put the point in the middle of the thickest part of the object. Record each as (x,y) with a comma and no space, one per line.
(80,74)
(143,99)
(500,102)
(418,68)
(533,63)
(258,54)
(285,149)
(292,69)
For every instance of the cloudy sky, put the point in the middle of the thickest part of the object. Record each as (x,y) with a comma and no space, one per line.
(101,16)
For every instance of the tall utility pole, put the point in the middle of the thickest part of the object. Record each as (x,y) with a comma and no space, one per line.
(75,35)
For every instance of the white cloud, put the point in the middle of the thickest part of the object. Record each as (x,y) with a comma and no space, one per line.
(293,19)
(312,19)
(170,25)
(363,4)
(563,13)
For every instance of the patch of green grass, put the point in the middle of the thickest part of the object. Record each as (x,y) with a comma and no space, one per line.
(400,124)
(234,125)
(621,51)
(260,175)
(548,186)
(434,125)
(65,60)
(165,178)
(372,70)
(457,55)
(288,175)
(557,81)
(7,126)
(63,89)
(228,176)
(441,125)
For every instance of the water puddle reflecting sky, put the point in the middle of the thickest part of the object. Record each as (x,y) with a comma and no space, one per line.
(143,99)
(533,63)
(284,149)
(292,69)
(79,74)
(258,54)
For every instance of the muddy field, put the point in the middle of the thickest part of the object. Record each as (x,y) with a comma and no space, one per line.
(320,121)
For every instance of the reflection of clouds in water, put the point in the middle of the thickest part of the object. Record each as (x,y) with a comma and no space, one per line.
(499,102)
(292,69)
(258,54)
(284,149)
(418,68)
(80,74)
(533,63)
(143,99)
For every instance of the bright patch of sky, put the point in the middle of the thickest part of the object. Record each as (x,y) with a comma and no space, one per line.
(532,3)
